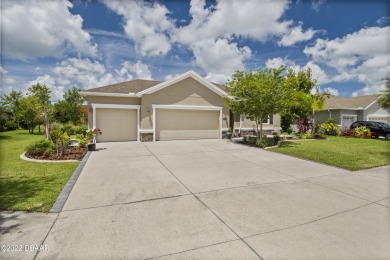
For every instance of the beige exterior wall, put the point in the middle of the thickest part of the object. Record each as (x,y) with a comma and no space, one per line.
(247,123)
(185,92)
(109,100)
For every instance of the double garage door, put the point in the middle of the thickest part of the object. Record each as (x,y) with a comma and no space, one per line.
(185,124)
(120,125)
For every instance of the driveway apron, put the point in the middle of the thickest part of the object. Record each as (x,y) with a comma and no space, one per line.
(216,199)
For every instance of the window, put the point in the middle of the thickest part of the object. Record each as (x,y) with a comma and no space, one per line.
(269,120)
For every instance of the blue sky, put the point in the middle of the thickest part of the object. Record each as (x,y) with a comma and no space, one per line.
(94,43)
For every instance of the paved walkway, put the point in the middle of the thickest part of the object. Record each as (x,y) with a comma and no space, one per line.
(209,199)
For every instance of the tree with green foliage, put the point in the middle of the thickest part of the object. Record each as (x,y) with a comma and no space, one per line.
(303,103)
(257,94)
(384,99)
(300,106)
(42,93)
(317,101)
(11,102)
(69,109)
(29,112)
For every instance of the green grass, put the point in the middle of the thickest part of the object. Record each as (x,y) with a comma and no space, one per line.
(29,186)
(349,153)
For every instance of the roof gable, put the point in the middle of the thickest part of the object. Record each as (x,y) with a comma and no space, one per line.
(189,74)
(359,102)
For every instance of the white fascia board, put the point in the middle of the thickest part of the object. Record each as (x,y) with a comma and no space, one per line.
(371,104)
(181,77)
(154,106)
(101,94)
(94,105)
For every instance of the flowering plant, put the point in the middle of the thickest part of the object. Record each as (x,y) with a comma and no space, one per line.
(92,133)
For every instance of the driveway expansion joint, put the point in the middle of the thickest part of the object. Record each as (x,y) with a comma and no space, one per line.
(196,197)
(313,221)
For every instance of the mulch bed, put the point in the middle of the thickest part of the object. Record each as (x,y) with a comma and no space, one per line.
(70,153)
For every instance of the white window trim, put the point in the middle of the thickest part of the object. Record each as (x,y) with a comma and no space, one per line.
(117,106)
(185,107)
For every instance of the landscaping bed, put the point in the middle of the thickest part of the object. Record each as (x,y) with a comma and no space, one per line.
(70,153)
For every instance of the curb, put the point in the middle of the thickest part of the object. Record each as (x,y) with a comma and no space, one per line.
(23,157)
(63,197)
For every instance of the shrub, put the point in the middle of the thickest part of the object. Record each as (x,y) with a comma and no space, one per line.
(266,142)
(303,125)
(347,133)
(362,132)
(55,135)
(81,130)
(81,140)
(69,129)
(55,126)
(306,136)
(289,131)
(40,148)
(7,125)
(330,127)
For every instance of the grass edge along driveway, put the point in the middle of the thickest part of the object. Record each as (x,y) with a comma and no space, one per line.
(348,153)
(28,186)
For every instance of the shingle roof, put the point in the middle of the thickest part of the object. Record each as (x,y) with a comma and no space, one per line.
(359,102)
(132,86)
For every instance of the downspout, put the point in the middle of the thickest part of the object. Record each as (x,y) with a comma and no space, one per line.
(330,114)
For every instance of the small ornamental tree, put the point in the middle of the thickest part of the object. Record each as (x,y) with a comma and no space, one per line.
(384,99)
(257,94)
(42,93)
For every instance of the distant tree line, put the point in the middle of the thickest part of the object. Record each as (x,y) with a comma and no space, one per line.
(35,109)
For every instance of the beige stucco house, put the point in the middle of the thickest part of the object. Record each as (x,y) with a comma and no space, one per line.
(185,107)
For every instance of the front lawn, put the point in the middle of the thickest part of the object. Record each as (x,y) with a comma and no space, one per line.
(29,186)
(349,153)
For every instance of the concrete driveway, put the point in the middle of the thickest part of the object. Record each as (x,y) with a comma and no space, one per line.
(215,199)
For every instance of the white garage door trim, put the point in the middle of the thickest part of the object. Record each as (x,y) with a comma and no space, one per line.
(116,106)
(185,107)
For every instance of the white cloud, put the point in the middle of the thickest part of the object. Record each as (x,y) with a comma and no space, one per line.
(2,70)
(316,4)
(86,73)
(146,24)
(369,89)
(39,28)
(361,56)
(317,72)
(220,56)
(332,91)
(213,32)
(138,69)
(295,35)
(259,20)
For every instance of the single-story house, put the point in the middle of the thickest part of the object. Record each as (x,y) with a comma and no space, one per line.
(348,110)
(184,107)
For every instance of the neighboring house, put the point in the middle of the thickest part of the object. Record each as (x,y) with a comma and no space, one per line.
(348,110)
(184,107)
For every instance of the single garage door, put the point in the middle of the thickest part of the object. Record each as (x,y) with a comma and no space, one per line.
(116,124)
(186,124)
